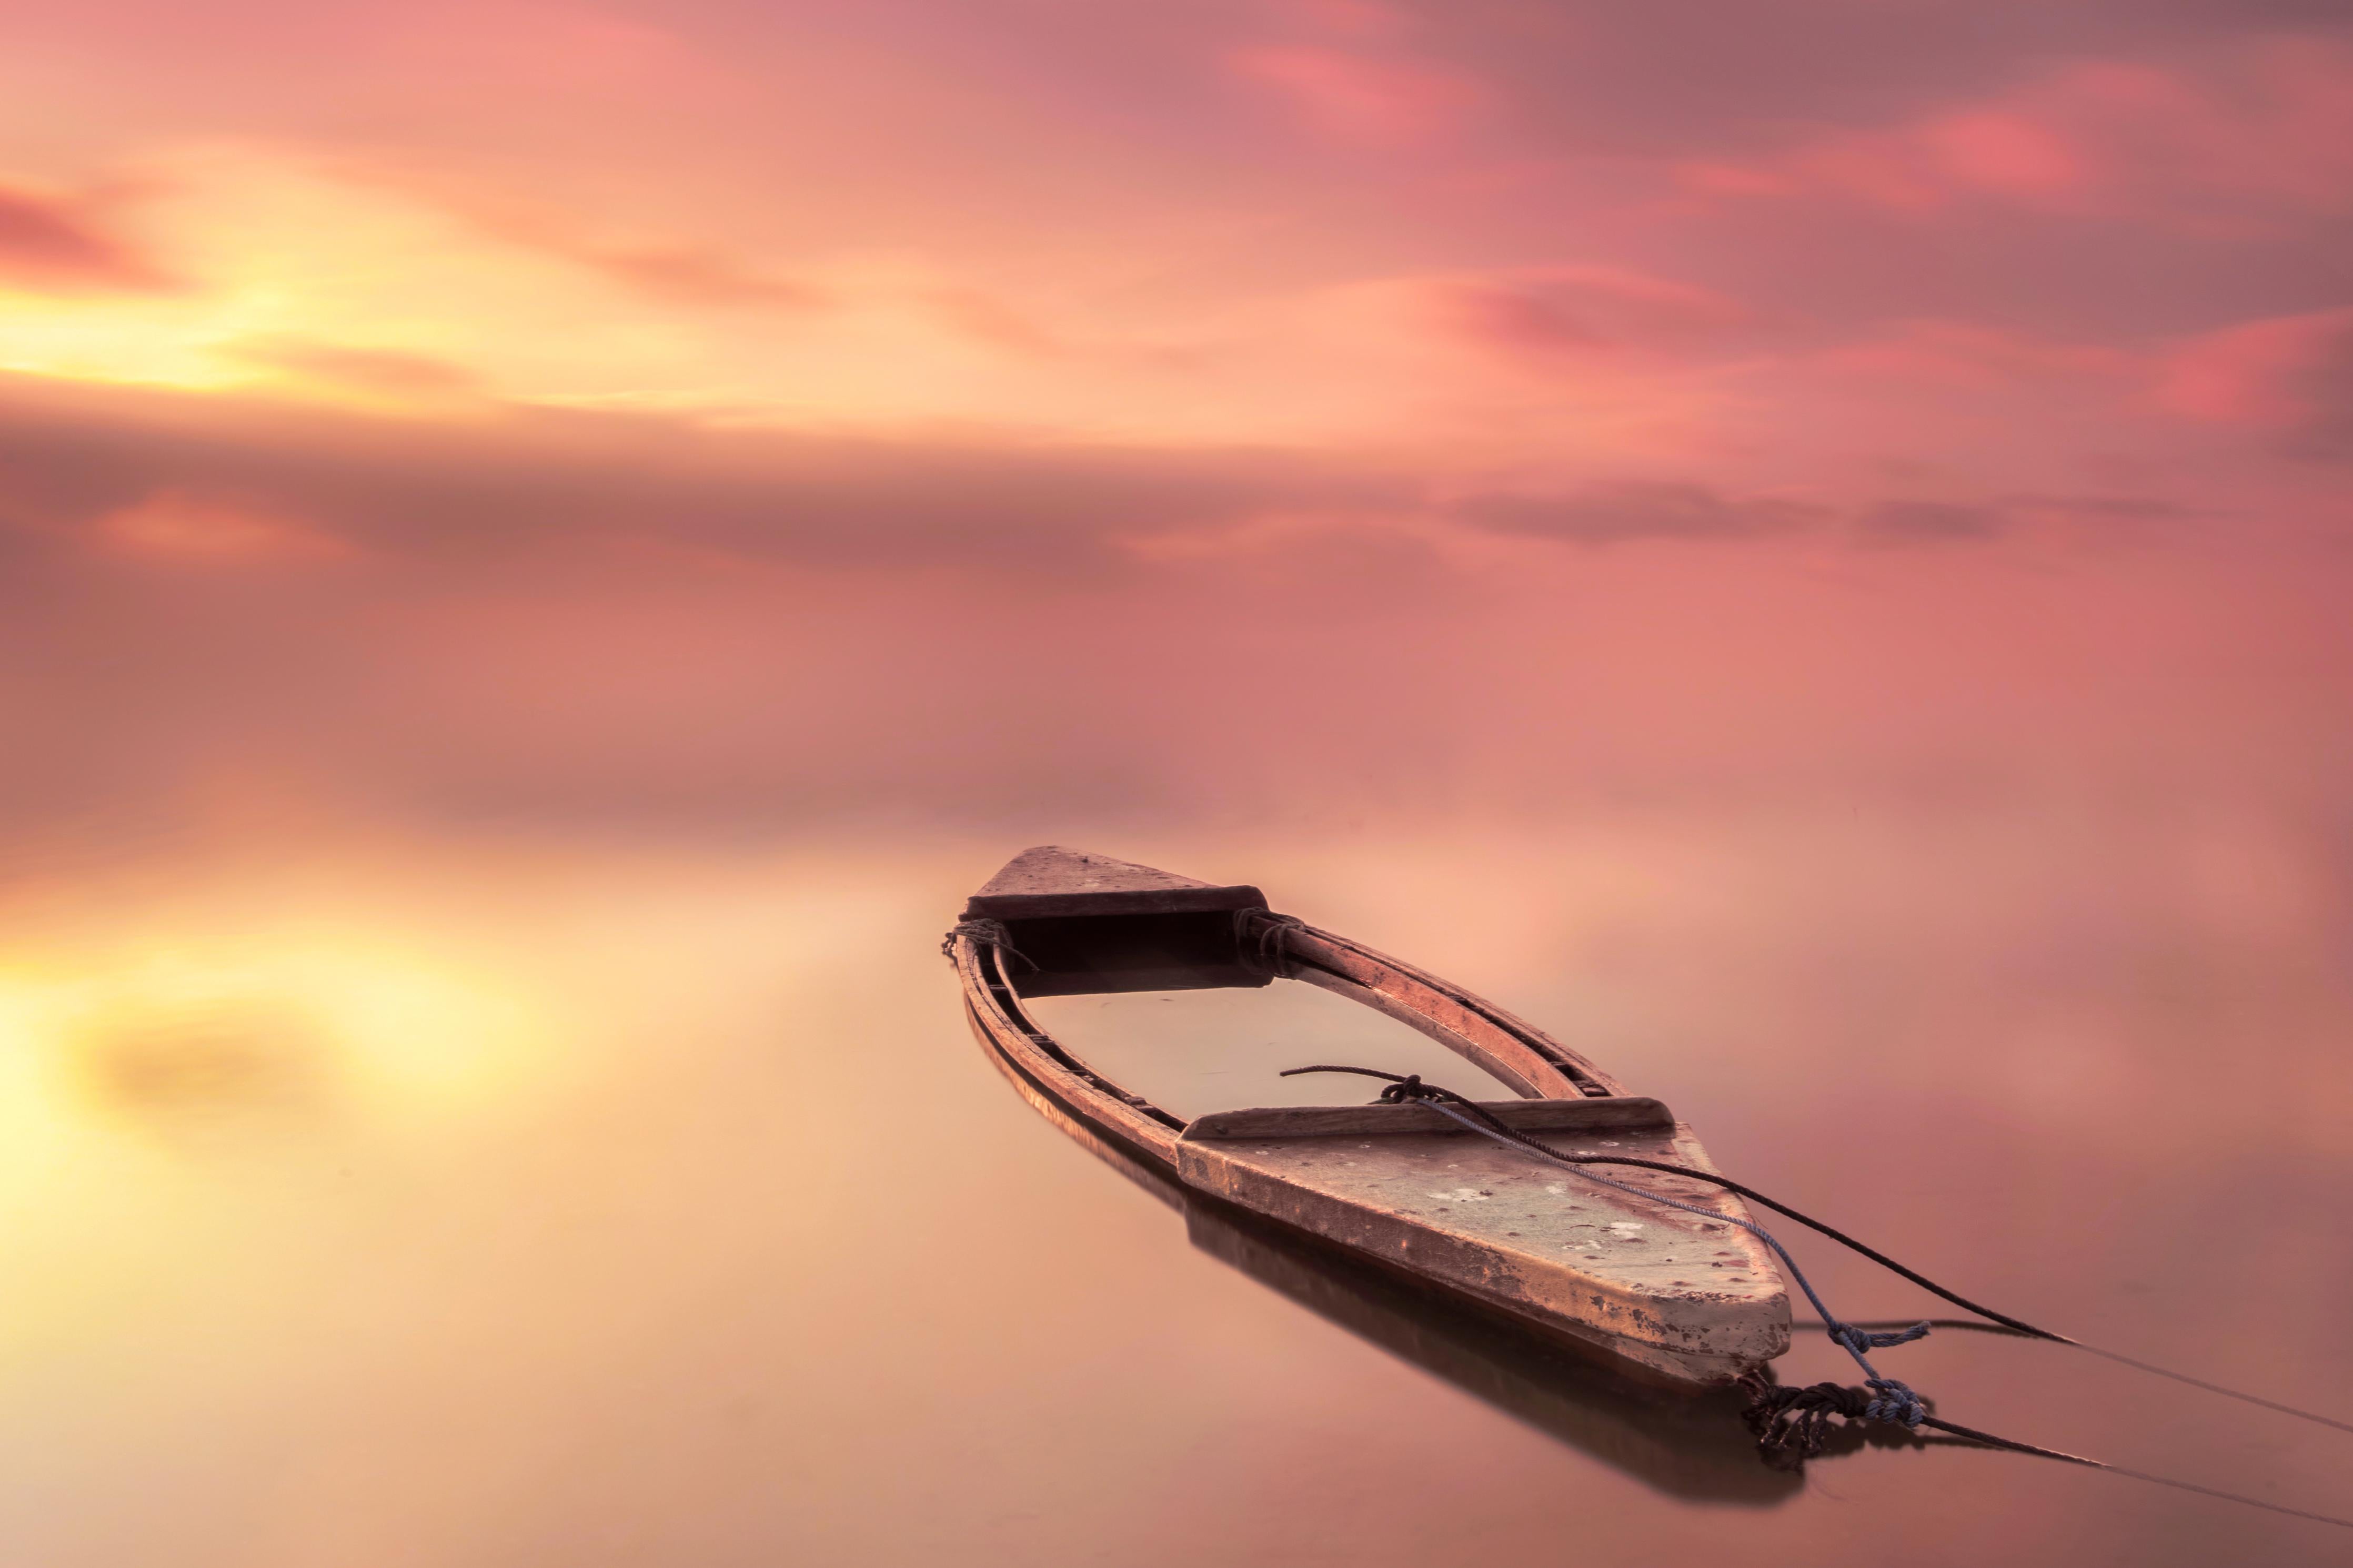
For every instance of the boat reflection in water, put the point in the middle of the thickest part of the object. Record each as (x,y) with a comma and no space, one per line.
(1688,1445)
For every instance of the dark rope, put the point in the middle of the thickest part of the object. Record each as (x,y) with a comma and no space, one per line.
(989,932)
(1971,1325)
(1265,950)
(1791,1425)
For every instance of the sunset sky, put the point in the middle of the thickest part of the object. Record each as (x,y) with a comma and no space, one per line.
(1803,545)
(725,412)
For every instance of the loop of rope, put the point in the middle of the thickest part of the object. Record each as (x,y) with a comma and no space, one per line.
(1857,1339)
(1261,940)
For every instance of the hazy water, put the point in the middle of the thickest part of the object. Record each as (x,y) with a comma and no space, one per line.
(375,1200)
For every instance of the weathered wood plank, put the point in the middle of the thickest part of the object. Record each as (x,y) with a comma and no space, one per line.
(1622,1111)
(1690,1295)
(1050,880)
(1509,1060)
(1018,1044)
(1505,1041)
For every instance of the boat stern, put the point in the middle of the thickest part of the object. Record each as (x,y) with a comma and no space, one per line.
(1693,1296)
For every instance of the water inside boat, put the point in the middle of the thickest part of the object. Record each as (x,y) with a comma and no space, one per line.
(1193,1052)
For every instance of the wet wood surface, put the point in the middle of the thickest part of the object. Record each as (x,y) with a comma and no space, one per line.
(1339,1120)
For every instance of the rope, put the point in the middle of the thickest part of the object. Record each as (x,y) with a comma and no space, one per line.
(1792,1425)
(1969,1325)
(1265,950)
(992,934)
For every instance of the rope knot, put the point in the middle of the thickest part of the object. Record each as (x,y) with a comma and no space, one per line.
(1261,941)
(1794,1424)
(1857,1341)
(1406,1088)
(986,933)
(1895,1404)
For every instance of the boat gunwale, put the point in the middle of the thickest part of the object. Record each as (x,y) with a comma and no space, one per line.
(1523,1057)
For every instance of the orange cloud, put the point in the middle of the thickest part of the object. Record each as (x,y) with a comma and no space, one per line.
(693,276)
(385,374)
(178,525)
(683,271)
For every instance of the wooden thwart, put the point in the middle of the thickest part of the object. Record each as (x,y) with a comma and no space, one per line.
(1338,1120)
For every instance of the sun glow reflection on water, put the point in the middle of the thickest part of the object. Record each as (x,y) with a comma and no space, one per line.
(436,1204)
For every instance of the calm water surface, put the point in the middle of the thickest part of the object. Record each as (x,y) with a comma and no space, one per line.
(397,1200)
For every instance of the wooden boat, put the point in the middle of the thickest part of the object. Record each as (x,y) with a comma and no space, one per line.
(1696,1299)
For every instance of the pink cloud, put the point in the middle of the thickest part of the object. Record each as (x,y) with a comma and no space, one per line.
(1545,311)
(1963,354)
(1702,177)
(2006,152)
(2264,128)
(1360,100)
(1352,18)
(55,244)
(2292,374)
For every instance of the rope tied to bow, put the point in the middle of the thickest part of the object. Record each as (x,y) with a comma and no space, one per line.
(1263,941)
(987,934)
(1795,1423)
(1857,1341)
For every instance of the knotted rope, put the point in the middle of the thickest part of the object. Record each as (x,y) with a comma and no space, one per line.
(1265,948)
(1793,1424)
(986,931)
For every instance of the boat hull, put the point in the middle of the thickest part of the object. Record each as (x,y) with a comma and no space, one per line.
(1692,1298)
